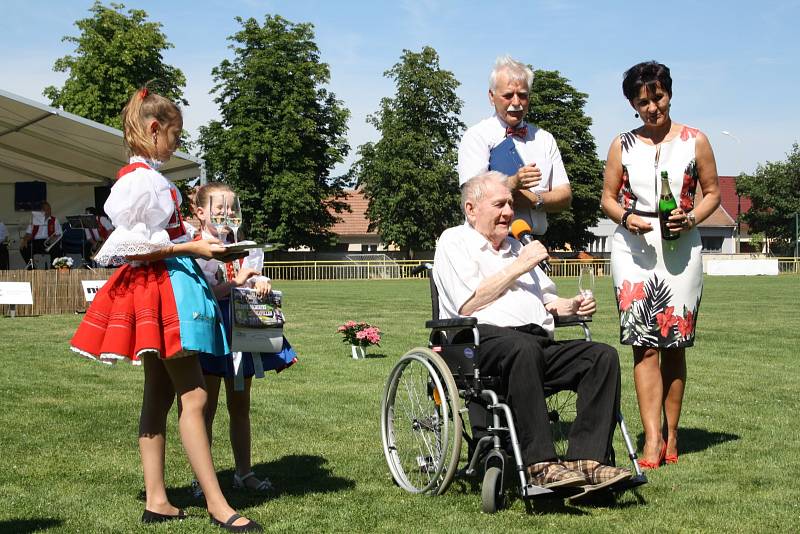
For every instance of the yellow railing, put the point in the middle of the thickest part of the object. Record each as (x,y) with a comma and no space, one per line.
(789,265)
(374,269)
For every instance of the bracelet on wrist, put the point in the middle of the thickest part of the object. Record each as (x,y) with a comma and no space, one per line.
(624,221)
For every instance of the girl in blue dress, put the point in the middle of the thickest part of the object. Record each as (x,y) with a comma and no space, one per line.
(239,368)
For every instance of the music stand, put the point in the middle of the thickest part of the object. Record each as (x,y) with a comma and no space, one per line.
(84,222)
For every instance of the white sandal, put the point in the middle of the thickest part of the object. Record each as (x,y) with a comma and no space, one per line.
(239,483)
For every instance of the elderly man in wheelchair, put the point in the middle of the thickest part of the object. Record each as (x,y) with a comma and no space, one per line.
(481,273)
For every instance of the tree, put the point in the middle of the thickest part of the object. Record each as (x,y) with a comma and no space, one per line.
(557,107)
(409,175)
(774,189)
(281,132)
(115,54)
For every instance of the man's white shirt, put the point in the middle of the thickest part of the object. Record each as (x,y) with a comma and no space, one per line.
(39,219)
(538,147)
(464,258)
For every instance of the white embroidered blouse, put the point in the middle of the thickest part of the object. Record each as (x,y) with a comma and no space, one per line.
(140,206)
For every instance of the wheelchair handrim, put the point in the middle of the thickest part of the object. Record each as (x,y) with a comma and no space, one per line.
(439,479)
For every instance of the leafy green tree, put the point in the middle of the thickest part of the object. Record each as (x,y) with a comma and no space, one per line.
(409,175)
(557,107)
(115,54)
(774,189)
(281,132)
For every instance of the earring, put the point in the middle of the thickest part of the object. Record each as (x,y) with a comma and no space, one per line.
(636,115)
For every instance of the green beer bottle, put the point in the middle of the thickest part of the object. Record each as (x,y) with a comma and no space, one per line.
(666,203)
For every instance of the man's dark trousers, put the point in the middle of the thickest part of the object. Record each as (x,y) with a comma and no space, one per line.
(528,362)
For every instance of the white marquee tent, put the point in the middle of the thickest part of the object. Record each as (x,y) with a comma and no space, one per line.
(72,155)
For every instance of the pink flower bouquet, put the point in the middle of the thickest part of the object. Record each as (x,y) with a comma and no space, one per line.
(360,334)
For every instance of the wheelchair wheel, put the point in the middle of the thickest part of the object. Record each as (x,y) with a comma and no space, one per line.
(421,423)
(561,409)
(492,497)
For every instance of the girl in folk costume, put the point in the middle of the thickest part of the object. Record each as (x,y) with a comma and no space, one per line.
(238,369)
(157,306)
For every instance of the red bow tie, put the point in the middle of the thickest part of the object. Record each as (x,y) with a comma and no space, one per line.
(522,132)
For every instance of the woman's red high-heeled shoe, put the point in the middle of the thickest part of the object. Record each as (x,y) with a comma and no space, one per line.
(646,464)
(671,458)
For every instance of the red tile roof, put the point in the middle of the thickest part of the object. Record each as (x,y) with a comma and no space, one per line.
(720,217)
(356,222)
(728,198)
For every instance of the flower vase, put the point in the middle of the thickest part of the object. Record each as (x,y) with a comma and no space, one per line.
(63,270)
(358,352)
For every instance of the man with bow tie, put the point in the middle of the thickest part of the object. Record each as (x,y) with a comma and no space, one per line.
(541,185)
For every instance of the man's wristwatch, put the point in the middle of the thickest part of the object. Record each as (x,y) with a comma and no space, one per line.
(539,204)
(691,218)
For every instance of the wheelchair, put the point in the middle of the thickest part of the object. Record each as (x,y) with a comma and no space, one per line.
(430,392)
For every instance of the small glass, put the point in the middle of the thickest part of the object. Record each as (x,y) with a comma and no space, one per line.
(234,220)
(217,212)
(586,281)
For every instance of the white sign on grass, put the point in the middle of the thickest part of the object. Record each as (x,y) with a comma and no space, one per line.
(15,293)
(91,287)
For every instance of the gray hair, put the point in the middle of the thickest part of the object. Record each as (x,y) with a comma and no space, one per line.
(517,72)
(474,188)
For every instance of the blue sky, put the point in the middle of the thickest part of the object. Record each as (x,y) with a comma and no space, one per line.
(733,62)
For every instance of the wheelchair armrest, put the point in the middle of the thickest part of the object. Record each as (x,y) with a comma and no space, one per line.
(452,323)
(571,320)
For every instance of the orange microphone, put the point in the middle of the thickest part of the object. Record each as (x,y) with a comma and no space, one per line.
(522,232)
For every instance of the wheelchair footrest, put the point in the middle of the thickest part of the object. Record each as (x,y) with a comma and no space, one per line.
(533,491)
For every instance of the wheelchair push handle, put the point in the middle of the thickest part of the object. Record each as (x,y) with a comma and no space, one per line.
(422,267)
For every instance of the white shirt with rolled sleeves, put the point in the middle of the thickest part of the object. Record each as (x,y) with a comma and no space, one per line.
(538,147)
(464,258)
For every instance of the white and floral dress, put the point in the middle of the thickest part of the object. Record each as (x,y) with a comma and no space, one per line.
(658,284)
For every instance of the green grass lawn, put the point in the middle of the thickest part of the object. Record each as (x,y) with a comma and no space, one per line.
(69,459)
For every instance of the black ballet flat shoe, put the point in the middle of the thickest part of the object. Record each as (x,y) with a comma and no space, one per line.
(228,525)
(153,517)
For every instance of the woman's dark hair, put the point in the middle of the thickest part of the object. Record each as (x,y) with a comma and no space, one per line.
(646,74)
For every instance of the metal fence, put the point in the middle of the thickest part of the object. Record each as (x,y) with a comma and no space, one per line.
(393,269)
(396,269)
(339,270)
(789,265)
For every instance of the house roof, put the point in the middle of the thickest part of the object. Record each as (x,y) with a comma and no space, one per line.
(354,222)
(732,203)
(729,199)
(720,217)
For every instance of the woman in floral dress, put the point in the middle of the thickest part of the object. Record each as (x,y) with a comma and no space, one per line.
(658,283)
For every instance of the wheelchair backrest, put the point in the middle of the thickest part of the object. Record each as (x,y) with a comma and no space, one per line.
(456,344)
